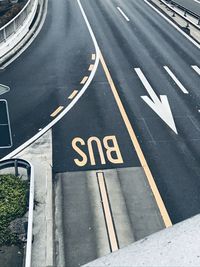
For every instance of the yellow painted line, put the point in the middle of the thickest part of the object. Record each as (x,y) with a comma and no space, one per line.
(91,67)
(107,212)
(56,111)
(157,196)
(84,80)
(73,94)
(93,56)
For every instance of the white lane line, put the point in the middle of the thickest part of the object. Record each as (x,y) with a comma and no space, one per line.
(176,80)
(197,69)
(197,1)
(123,14)
(173,24)
(73,102)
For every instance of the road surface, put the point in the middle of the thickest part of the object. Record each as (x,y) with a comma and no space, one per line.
(145,90)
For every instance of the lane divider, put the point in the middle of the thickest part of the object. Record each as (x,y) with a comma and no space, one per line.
(58,110)
(178,83)
(152,184)
(84,80)
(73,94)
(93,56)
(123,14)
(91,67)
(107,212)
(196,68)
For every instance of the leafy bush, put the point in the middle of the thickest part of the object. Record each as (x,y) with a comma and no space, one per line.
(13,204)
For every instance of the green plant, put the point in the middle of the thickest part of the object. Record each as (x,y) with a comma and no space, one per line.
(13,204)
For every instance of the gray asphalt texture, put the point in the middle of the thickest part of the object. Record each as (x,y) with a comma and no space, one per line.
(53,66)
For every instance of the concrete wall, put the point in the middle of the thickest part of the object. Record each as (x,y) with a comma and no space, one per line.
(15,38)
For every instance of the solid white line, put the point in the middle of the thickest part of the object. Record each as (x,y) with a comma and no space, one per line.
(123,14)
(176,80)
(197,69)
(73,102)
(197,1)
(146,84)
(173,24)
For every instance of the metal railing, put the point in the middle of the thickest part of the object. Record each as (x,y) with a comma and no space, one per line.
(16,164)
(186,11)
(13,25)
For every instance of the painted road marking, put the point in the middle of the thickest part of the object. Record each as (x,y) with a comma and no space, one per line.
(109,144)
(197,69)
(58,110)
(107,212)
(72,103)
(73,94)
(91,67)
(159,201)
(123,14)
(176,80)
(159,105)
(93,56)
(84,80)
(5,129)
(4,89)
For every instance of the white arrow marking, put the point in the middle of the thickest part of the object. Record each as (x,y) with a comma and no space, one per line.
(159,105)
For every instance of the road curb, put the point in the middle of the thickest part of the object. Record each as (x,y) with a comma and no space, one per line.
(49,218)
(40,155)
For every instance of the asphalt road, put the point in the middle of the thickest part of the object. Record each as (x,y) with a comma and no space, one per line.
(43,77)
(148,42)
(140,49)
(132,38)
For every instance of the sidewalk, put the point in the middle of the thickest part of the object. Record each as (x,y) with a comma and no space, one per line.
(40,155)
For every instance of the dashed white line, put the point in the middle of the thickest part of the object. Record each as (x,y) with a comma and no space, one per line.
(123,14)
(176,80)
(197,69)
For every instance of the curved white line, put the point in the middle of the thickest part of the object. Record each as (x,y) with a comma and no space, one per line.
(67,109)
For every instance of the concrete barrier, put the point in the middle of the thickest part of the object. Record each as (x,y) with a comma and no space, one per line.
(15,30)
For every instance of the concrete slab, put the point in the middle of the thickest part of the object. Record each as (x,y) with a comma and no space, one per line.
(174,246)
(81,225)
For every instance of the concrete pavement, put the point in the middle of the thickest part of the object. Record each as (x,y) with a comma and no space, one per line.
(176,246)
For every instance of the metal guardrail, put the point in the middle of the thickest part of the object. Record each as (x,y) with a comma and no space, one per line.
(186,11)
(16,164)
(13,25)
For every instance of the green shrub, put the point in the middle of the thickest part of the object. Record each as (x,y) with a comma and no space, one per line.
(13,204)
